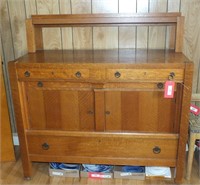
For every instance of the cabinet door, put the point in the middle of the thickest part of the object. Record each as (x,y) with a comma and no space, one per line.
(145,111)
(57,107)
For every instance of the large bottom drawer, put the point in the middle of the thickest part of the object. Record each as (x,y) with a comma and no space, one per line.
(114,148)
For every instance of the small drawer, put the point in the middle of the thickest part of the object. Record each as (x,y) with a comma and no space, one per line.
(153,75)
(34,73)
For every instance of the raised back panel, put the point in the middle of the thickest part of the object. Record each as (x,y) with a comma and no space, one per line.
(108,22)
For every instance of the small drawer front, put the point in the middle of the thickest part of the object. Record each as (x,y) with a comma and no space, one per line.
(154,75)
(95,146)
(73,74)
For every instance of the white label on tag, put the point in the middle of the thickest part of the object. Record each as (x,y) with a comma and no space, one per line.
(95,175)
(126,174)
(193,109)
(169,90)
(57,173)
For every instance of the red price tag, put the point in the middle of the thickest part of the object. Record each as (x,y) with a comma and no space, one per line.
(169,89)
(194,109)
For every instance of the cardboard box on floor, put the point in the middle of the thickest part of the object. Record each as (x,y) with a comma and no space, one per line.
(119,174)
(96,175)
(64,173)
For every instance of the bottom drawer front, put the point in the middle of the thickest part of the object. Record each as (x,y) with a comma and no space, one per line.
(111,147)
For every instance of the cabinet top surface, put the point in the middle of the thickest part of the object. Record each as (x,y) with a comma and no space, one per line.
(114,56)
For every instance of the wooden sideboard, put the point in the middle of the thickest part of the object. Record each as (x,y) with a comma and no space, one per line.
(102,106)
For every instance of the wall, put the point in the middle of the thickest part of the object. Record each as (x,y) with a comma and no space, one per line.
(14,12)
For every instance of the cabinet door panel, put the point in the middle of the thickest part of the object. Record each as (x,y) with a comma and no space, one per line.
(86,110)
(52,109)
(36,111)
(113,110)
(60,109)
(139,111)
(69,110)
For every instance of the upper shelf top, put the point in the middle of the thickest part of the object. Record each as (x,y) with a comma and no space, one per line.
(93,19)
(115,56)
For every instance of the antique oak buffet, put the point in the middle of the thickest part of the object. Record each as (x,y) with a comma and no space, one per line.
(102,106)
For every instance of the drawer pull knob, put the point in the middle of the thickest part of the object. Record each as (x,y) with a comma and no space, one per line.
(45,146)
(78,74)
(27,74)
(40,84)
(117,74)
(156,150)
(160,85)
(171,76)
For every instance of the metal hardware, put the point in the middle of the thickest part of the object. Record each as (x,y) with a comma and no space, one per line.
(90,112)
(27,74)
(107,112)
(117,74)
(171,76)
(156,150)
(45,146)
(78,74)
(160,85)
(40,84)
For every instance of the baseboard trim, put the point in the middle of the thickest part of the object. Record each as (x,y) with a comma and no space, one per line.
(15,139)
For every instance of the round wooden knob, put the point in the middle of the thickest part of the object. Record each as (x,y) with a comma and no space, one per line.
(107,112)
(90,112)
(40,84)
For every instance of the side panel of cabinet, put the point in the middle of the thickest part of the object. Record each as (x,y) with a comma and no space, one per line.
(139,111)
(60,109)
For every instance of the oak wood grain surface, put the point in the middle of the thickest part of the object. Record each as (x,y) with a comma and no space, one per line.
(134,56)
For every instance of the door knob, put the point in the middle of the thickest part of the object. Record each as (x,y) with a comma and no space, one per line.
(40,84)
(107,112)
(90,112)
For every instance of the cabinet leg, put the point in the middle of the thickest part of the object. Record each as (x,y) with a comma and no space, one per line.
(27,169)
(190,155)
(27,178)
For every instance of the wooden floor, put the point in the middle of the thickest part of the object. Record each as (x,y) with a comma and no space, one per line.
(11,173)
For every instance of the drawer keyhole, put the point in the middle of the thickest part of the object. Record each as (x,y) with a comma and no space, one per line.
(156,150)
(45,146)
